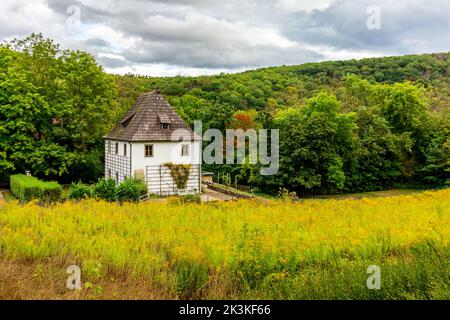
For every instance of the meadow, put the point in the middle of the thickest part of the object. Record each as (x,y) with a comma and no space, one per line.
(249,249)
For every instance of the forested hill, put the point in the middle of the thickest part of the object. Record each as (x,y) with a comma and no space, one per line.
(389,120)
(288,85)
(345,126)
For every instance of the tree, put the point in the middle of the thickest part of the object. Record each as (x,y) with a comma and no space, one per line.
(316,143)
(55,106)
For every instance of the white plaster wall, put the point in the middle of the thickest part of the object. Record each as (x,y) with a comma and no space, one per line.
(164,152)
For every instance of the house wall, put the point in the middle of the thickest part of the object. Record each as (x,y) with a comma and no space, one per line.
(159,181)
(117,166)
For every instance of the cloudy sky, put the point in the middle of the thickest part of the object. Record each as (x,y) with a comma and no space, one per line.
(192,37)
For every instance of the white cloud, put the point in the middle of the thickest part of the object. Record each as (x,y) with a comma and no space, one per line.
(291,6)
(201,28)
(21,17)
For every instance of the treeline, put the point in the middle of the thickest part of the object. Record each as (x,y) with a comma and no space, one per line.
(345,126)
(55,106)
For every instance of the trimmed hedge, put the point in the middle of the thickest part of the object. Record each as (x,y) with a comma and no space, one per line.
(27,188)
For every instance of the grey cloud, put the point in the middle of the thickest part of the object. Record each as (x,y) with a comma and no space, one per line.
(238,34)
(97,42)
(343,25)
(110,62)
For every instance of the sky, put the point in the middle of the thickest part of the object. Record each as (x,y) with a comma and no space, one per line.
(202,37)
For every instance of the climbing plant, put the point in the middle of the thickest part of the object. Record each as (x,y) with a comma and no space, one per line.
(179,173)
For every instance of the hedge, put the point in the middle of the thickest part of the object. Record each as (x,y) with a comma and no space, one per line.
(27,188)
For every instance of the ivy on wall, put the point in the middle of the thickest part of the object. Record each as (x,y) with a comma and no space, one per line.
(179,173)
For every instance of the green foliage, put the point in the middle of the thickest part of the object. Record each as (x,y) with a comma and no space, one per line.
(179,174)
(27,188)
(105,189)
(86,167)
(437,165)
(346,126)
(316,143)
(191,198)
(131,189)
(79,191)
(191,277)
(54,106)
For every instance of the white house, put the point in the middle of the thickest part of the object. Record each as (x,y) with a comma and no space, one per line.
(150,136)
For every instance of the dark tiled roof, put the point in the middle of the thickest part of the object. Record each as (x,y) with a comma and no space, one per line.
(143,121)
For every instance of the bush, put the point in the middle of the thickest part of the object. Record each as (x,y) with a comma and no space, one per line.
(105,189)
(79,191)
(52,191)
(191,198)
(87,168)
(27,188)
(131,189)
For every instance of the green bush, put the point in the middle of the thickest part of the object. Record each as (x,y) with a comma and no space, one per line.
(79,191)
(27,188)
(131,189)
(87,168)
(105,189)
(191,198)
(52,191)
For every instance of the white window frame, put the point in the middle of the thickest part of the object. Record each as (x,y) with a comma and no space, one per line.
(185,154)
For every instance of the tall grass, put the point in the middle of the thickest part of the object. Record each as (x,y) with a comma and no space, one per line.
(247,249)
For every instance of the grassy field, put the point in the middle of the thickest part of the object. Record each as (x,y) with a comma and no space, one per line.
(245,249)
(370,194)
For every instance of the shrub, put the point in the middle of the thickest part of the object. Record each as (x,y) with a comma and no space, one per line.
(27,188)
(87,168)
(131,189)
(52,191)
(105,189)
(191,198)
(79,191)
(182,200)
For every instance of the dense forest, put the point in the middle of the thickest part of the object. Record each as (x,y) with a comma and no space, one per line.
(345,126)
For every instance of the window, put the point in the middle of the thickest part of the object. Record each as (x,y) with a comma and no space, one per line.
(117,177)
(124,149)
(148,150)
(185,150)
(117,148)
(109,173)
(165,126)
(109,147)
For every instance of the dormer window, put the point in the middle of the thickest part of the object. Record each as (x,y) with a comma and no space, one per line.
(164,121)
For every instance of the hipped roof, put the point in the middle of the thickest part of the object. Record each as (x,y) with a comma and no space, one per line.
(143,122)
